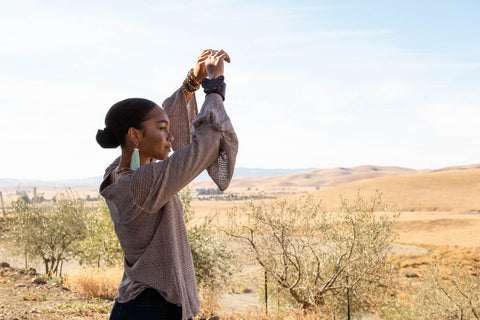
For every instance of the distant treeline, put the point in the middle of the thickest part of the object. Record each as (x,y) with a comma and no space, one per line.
(207,192)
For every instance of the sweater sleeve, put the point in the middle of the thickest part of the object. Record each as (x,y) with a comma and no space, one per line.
(221,169)
(213,145)
(181,115)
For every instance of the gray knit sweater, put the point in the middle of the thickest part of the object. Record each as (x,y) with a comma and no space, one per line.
(148,213)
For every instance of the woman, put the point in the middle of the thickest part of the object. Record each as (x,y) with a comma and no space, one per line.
(141,193)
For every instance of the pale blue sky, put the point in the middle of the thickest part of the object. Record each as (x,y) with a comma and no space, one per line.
(311,84)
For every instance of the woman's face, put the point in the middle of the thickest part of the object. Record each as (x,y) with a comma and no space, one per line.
(156,139)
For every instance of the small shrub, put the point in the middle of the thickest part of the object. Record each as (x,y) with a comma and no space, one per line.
(94,282)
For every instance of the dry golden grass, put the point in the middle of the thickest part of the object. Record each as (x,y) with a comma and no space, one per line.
(94,282)
(292,314)
(204,208)
(413,272)
(209,301)
(438,228)
(447,256)
(446,191)
(455,191)
(412,227)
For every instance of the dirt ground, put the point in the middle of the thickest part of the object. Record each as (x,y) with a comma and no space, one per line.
(26,295)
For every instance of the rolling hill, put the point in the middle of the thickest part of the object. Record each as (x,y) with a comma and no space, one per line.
(443,190)
(310,180)
(454,189)
(450,189)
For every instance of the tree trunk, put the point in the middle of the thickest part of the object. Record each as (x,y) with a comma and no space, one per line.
(303,304)
(58,261)
(46,266)
(54,267)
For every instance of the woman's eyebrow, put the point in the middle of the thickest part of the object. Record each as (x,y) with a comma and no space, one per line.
(163,121)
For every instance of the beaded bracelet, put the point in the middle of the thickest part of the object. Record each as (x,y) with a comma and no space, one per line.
(190,84)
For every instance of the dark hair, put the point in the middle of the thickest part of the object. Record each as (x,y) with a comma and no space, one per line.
(121,116)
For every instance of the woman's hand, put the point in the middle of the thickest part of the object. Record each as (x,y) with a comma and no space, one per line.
(214,63)
(208,65)
(199,71)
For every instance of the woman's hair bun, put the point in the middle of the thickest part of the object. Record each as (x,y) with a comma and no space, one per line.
(106,138)
(120,117)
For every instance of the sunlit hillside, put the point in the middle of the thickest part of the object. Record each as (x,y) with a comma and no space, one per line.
(310,180)
(451,191)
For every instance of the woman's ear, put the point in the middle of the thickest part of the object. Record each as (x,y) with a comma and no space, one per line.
(133,135)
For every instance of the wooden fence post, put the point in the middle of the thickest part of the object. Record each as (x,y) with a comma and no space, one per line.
(34,200)
(3,206)
(348,300)
(266,294)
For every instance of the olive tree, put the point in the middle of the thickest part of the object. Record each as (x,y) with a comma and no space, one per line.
(100,245)
(320,258)
(49,232)
(18,228)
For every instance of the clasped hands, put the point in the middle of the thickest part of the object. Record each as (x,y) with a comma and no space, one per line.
(210,65)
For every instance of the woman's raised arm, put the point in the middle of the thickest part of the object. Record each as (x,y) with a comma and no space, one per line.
(213,146)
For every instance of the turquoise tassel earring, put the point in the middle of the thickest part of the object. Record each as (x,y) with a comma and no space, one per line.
(135,161)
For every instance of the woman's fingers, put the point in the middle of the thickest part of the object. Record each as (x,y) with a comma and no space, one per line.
(212,60)
(222,55)
(202,59)
(204,55)
(215,53)
(199,71)
(206,52)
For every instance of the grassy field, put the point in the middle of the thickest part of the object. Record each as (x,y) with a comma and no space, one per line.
(456,191)
(439,215)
